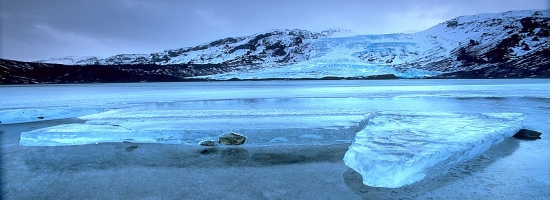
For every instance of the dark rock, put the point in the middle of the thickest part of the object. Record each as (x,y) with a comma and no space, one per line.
(0,122)
(452,24)
(526,134)
(232,139)
(129,140)
(131,148)
(209,143)
(40,117)
(382,77)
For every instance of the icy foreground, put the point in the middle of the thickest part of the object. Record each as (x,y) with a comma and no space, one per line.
(399,149)
(261,127)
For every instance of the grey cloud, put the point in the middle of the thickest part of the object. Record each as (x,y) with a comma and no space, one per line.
(36,29)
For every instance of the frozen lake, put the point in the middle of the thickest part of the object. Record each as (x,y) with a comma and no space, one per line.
(295,112)
(24,103)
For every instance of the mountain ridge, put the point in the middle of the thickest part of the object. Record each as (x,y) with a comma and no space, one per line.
(511,44)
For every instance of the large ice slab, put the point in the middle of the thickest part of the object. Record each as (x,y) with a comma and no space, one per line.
(23,115)
(397,149)
(261,127)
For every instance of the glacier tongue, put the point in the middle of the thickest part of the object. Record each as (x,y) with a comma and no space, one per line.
(397,149)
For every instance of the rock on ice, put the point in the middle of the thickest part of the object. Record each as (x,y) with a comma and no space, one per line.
(399,149)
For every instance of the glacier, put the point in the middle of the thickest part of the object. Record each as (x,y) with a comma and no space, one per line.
(505,41)
(398,149)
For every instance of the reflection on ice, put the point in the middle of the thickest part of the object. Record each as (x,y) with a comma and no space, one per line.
(397,149)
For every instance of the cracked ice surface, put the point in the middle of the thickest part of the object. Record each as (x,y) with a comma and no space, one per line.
(399,149)
(263,127)
(22,115)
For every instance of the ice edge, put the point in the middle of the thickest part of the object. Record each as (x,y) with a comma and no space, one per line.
(393,175)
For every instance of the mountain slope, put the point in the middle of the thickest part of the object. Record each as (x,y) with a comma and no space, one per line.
(16,72)
(277,46)
(509,44)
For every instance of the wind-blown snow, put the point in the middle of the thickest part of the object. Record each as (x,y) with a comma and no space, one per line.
(397,149)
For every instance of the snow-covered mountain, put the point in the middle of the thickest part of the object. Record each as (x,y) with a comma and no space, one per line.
(509,44)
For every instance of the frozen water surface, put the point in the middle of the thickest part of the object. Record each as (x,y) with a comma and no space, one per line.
(420,126)
(261,127)
(402,148)
(21,115)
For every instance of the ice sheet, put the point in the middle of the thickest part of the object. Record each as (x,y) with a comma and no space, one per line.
(22,115)
(397,149)
(261,127)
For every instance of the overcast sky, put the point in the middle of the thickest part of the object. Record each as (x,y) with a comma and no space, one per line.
(38,29)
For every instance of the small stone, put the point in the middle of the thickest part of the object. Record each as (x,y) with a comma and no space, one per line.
(209,143)
(131,148)
(232,139)
(526,134)
(40,117)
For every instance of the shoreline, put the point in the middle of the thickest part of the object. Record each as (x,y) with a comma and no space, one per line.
(328,78)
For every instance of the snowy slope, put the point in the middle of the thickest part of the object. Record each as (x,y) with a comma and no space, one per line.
(480,35)
(73,60)
(461,44)
(275,46)
(500,43)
